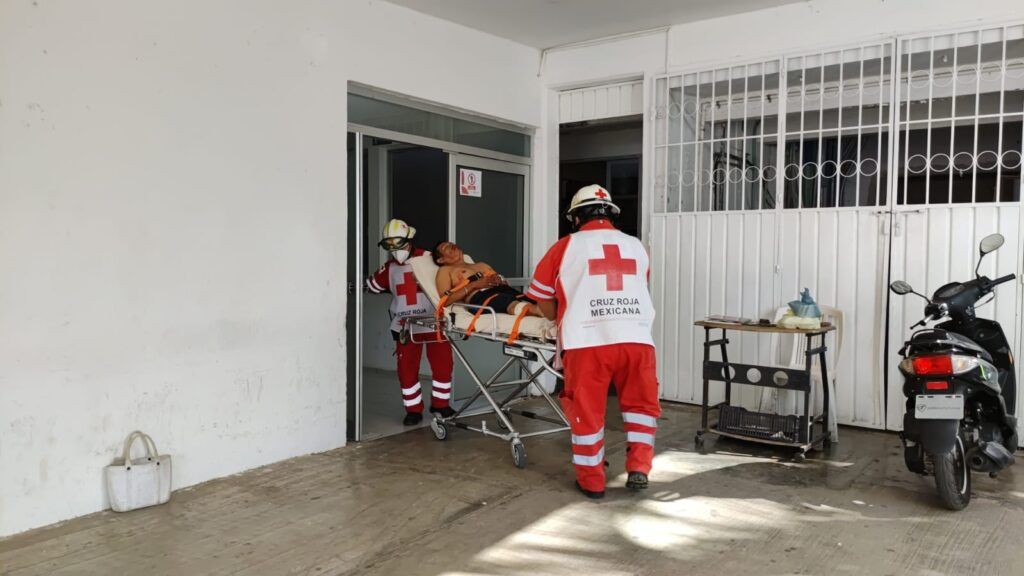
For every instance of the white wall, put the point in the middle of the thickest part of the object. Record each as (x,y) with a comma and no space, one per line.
(794,27)
(825,23)
(172,225)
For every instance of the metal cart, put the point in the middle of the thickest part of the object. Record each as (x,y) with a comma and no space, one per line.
(800,431)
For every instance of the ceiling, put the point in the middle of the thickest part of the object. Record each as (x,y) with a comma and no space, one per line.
(548,23)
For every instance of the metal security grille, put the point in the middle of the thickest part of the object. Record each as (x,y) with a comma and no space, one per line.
(961,101)
(837,124)
(959,127)
(716,137)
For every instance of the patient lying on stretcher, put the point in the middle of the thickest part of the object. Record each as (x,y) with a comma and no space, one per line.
(477,284)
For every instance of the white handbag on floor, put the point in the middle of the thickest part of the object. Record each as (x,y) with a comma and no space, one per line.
(142,482)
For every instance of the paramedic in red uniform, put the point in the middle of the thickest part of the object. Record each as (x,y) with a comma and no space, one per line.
(594,282)
(396,276)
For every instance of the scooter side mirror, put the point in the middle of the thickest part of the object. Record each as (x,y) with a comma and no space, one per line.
(900,287)
(988,244)
(991,243)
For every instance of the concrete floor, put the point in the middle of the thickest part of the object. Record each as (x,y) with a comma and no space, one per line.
(383,410)
(382,403)
(412,505)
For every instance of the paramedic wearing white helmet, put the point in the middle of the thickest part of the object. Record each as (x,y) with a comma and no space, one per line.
(595,282)
(408,299)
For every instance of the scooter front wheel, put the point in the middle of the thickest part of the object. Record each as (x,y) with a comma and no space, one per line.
(953,477)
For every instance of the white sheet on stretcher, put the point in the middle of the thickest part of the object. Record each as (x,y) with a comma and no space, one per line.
(425,270)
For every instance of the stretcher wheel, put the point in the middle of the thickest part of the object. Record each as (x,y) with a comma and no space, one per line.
(518,454)
(698,442)
(440,430)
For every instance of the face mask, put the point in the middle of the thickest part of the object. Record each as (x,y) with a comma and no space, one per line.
(400,256)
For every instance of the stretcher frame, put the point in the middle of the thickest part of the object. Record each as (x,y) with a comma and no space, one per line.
(524,348)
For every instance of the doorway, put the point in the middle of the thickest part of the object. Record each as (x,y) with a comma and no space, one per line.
(408,182)
(606,152)
(391,178)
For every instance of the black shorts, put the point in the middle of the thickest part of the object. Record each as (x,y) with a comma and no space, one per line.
(503,296)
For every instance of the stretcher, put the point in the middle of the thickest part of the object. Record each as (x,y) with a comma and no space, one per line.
(523,340)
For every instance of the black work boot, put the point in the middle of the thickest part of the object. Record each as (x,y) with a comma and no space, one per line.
(590,493)
(636,481)
(446,412)
(412,418)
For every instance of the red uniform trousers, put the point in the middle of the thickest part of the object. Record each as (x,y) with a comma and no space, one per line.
(588,372)
(439,354)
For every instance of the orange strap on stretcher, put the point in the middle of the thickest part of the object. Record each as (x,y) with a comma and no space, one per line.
(444,299)
(514,334)
(472,323)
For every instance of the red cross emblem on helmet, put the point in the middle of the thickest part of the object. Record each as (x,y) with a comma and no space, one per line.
(590,196)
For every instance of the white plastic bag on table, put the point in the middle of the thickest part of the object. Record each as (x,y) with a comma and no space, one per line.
(142,482)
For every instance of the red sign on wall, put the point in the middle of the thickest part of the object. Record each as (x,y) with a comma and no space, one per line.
(470,182)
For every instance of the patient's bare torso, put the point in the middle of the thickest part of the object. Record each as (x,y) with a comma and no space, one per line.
(457,273)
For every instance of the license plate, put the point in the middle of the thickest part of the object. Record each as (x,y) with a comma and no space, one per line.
(939,407)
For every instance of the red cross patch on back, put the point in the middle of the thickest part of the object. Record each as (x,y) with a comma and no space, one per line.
(613,267)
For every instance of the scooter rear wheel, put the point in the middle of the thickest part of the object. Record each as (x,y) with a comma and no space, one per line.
(953,477)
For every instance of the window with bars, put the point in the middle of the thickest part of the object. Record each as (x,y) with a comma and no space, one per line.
(961,104)
(725,141)
(716,139)
(837,124)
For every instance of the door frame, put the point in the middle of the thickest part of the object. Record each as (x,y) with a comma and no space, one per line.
(457,155)
(357,287)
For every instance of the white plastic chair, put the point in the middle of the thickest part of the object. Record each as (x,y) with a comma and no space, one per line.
(788,402)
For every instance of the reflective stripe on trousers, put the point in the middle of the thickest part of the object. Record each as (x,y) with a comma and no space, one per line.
(584,446)
(441,390)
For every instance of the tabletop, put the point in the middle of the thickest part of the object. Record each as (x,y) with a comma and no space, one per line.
(825,327)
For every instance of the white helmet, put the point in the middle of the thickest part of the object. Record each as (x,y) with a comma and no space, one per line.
(592,195)
(396,234)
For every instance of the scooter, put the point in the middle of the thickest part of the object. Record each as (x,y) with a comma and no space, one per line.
(960,387)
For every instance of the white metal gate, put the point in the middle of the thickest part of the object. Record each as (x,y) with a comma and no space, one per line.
(714,231)
(733,234)
(958,167)
(835,220)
